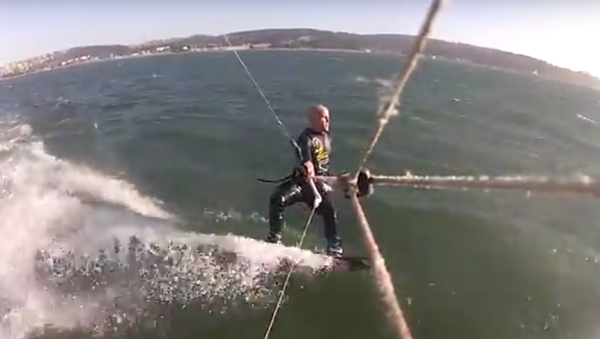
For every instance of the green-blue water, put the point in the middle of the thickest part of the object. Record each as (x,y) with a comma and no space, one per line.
(193,132)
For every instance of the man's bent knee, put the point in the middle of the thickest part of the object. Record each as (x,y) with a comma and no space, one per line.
(277,201)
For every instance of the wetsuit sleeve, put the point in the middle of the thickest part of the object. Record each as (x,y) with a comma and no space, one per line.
(305,148)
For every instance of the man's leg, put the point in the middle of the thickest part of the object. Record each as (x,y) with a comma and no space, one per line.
(327,212)
(285,195)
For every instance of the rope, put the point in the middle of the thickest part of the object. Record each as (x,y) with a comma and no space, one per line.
(582,186)
(316,202)
(264,97)
(409,67)
(382,275)
(289,274)
(311,183)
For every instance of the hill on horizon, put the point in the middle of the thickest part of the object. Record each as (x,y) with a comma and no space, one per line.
(307,38)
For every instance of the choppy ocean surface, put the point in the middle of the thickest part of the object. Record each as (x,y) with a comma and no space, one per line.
(123,182)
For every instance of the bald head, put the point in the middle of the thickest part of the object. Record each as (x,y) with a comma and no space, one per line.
(318,116)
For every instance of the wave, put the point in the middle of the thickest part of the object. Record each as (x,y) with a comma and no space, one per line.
(84,251)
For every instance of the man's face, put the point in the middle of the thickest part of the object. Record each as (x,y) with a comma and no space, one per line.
(320,120)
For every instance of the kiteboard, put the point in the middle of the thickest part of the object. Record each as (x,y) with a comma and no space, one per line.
(348,263)
(341,264)
(337,264)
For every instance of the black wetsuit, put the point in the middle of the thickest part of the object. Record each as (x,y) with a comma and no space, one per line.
(314,147)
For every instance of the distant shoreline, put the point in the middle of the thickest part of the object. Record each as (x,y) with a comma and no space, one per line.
(324,50)
(302,39)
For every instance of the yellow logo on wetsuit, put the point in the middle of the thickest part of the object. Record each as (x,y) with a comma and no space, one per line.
(319,150)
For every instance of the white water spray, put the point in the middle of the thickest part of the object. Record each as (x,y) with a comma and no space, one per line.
(82,250)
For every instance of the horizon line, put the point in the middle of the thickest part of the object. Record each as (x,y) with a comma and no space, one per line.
(275,28)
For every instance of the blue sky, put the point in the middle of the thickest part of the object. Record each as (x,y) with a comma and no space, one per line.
(559,31)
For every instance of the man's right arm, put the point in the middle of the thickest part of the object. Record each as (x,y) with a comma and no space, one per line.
(305,148)
(304,142)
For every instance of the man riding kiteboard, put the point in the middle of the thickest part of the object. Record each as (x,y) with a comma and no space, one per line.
(315,147)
